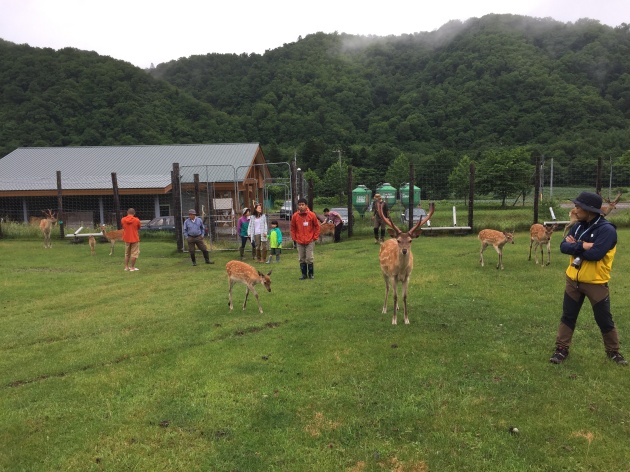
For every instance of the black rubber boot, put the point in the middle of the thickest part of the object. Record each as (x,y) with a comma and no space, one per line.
(193,259)
(241,251)
(206,256)
(311,275)
(303,269)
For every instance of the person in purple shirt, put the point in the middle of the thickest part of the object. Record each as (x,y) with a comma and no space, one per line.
(335,218)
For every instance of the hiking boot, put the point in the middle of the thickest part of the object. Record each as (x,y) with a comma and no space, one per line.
(616,357)
(559,356)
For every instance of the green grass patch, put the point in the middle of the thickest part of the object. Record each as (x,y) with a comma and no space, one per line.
(101,369)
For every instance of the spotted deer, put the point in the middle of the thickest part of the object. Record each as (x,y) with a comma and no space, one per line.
(606,209)
(239,272)
(46,225)
(326,229)
(112,237)
(92,243)
(540,236)
(396,259)
(497,239)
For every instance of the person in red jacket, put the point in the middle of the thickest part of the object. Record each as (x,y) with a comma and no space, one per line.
(304,232)
(131,225)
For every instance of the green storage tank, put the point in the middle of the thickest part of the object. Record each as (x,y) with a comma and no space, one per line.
(361,197)
(405,192)
(388,193)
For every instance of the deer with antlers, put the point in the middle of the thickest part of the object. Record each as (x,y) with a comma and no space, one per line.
(112,237)
(540,235)
(606,209)
(396,259)
(46,225)
(496,239)
(239,272)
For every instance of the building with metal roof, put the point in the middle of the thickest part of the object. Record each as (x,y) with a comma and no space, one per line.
(87,178)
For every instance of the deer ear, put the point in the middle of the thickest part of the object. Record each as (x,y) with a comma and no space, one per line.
(392,233)
(261,274)
(416,233)
(269,273)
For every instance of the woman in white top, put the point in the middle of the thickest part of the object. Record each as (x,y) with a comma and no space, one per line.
(257,232)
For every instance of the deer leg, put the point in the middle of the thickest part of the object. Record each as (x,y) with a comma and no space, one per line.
(500,253)
(548,252)
(404,295)
(483,247)
(246,294)
(395,315)
(260,310)
(231,284)
(531,242)
(111,248)
(386,293)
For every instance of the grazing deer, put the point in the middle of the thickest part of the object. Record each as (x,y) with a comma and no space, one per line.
(46,225)
(239,272)
(92,243)
(539,236)
(606,209)
(112,237)
(497,239)
(326,229)
(396,259)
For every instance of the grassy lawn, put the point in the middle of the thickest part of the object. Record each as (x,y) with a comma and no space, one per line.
(101,369)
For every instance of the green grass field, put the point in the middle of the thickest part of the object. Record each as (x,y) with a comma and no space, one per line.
(101,369)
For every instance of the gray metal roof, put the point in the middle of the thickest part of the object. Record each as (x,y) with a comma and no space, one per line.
(135,166)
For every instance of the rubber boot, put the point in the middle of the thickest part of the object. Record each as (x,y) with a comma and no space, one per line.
(206,256)
(268,260)
(264,255)
(241,251)
(303,269)
(277,258)
(382,235)
(311,275)
(193,258)
(375,235)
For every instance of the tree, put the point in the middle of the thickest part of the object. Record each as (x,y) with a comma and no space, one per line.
(504,172)
(459,179)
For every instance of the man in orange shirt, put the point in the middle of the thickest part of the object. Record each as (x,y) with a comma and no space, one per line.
(304,232)
(131,225)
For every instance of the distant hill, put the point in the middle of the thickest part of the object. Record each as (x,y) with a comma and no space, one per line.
(562,90)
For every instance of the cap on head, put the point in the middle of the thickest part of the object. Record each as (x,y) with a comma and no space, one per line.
(589,201)
(192,212)
(245,210)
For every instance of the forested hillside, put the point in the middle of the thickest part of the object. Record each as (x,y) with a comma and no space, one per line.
(467,89)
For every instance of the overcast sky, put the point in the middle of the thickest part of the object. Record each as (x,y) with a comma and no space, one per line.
(146,32)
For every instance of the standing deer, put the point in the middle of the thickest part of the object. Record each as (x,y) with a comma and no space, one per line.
(326,229)
(396,259)
(497,239)
(112,237)
(92,243)
(539,236)
(46,225)
(606,209)
(239,272)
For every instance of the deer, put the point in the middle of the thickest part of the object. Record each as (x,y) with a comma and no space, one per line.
(606,209)
(326,229)
(46,225)
(92,243)
(497,239)
(539,236)
(112,237)
(396,259)
(240,272)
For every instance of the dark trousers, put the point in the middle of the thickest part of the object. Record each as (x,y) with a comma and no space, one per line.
(574,295)
(338,229)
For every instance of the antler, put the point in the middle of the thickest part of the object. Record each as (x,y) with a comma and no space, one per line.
(388,222)
(425,219)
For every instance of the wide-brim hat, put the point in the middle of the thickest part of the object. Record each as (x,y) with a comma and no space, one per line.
(589,201)
(192,212)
